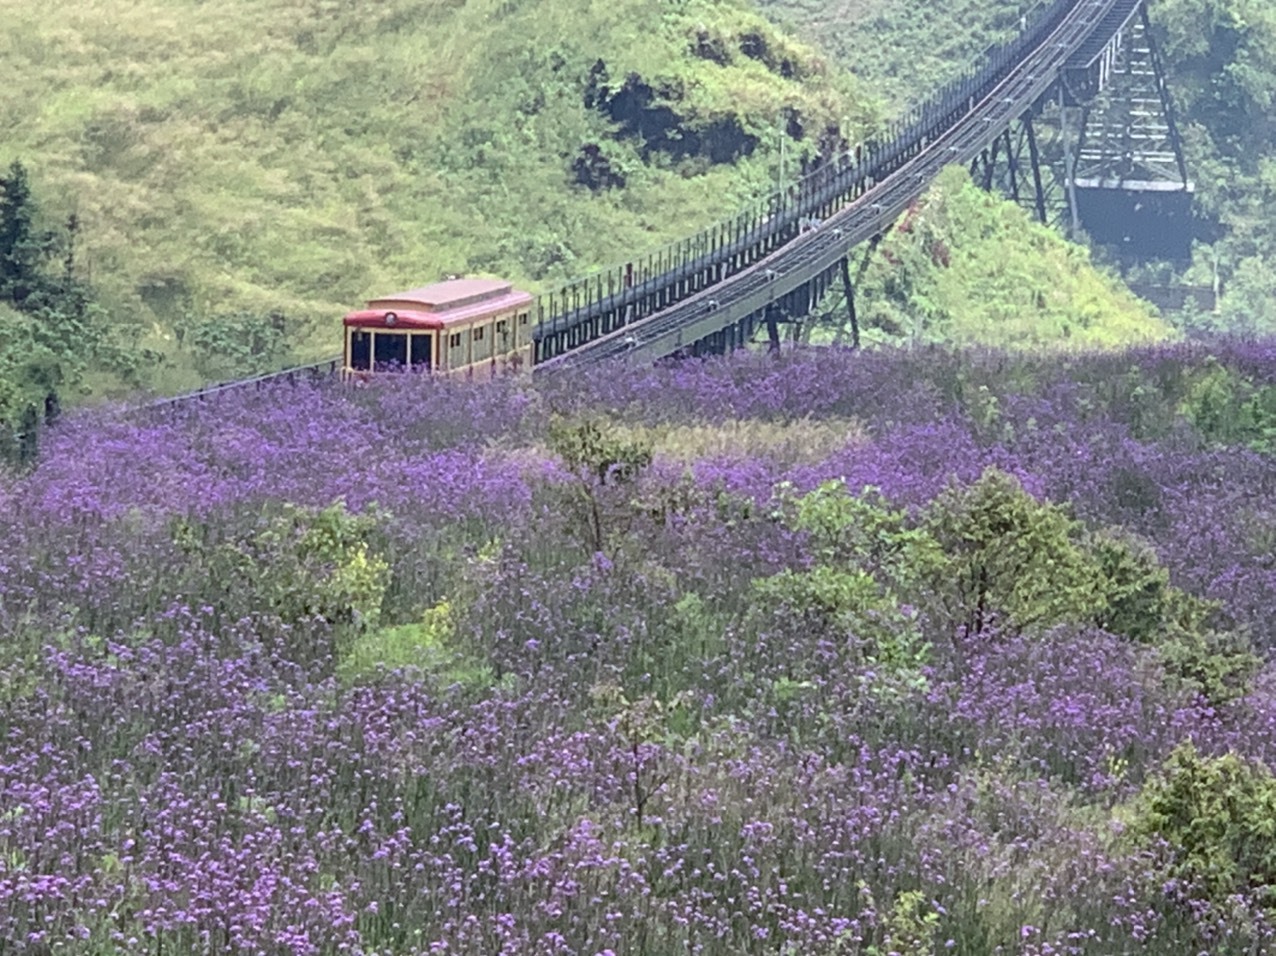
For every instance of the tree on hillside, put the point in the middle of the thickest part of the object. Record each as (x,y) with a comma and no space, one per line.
(25,249)
(1221,56)
(50,325)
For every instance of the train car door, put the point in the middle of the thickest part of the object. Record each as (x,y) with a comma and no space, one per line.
(360,350)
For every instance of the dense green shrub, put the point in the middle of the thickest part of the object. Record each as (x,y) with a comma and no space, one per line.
(294,564)
(239,344)
(1010,559)
(1228,409)
(989,558)
(1212,821)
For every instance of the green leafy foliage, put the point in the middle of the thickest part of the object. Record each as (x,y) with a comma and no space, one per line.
(910,925)
(1219,665)
(25,248)
(1010,558)
(295,564)
(1221,56)
(29,372)
(601,462)
(1138,601)
(1213,820)
(51,328)
(1228,409)
(866,531)
(866,557)
(988,558)
(428,644)
(238,344)
(1216,397)
(834,600)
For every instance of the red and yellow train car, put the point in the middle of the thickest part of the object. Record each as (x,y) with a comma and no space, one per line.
(470,327)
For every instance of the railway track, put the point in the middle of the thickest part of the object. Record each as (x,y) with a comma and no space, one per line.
(902,172)
(293,373)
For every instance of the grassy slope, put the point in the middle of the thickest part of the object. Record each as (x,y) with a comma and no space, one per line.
(903,48)
(303,154)
(966,267)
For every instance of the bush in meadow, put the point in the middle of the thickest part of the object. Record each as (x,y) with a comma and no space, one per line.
(294,562)
(1209,822)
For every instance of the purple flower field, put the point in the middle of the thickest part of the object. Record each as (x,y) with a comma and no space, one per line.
(942,653)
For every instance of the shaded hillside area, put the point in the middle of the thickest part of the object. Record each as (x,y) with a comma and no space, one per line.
(964,267)
(300,156)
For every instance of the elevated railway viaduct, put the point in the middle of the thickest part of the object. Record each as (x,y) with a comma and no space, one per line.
(713,291)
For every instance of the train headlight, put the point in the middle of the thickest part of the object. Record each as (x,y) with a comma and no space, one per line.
(391,318)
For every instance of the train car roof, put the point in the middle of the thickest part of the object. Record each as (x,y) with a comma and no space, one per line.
(441,304)
(450,293)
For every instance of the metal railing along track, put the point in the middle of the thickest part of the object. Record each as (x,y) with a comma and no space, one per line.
(314,370)
(1014,90)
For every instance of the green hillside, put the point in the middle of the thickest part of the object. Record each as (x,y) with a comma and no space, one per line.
(241,174)
(903,48)
(301,155)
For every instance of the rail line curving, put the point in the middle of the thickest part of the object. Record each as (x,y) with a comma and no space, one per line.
(858,199)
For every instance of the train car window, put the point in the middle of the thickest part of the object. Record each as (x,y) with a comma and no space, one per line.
(361,350)
(458,355)
(421,352)
(478,334)
(522,319)
(389,351)
(503,335)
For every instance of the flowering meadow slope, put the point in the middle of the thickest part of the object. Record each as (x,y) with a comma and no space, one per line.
(831,653)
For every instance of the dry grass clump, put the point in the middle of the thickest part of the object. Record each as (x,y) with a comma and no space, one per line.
(804,441)
(798,442)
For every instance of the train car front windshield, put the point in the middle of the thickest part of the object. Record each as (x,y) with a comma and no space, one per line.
(390,351)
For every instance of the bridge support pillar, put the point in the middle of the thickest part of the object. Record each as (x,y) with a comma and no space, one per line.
(773,328)
(1034,155)
(849,290)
